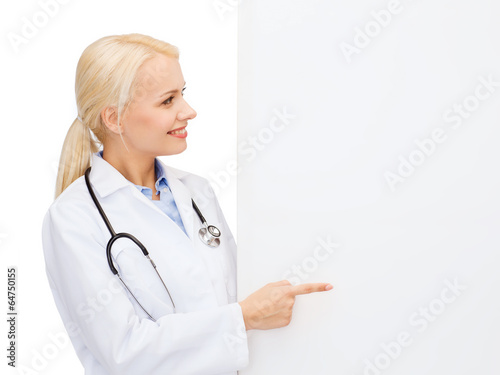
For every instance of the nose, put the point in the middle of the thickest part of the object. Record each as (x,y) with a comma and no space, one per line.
(186,112)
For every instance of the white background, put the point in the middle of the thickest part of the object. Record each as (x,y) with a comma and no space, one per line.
(323,176)
(38,107)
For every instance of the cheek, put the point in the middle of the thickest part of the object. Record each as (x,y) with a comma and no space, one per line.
(145,122)
(150,123)
(166,121)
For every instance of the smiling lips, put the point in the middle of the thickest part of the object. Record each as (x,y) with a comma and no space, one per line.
(179,133)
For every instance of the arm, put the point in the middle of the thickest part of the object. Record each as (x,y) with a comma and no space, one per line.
(183,343)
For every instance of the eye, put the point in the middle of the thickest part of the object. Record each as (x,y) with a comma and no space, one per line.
(168,101)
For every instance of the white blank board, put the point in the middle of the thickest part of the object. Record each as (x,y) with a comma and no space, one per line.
(373,127)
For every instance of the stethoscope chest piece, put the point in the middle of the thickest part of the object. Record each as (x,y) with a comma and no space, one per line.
(210,235)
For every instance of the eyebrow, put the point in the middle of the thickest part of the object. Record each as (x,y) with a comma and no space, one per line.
(171,91)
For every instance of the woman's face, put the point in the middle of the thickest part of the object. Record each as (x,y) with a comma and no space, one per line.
(158,109)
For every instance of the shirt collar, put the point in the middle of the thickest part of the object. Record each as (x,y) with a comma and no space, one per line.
(161,178)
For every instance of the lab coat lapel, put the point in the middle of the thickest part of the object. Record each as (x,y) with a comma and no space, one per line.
(106,180)
(182,197)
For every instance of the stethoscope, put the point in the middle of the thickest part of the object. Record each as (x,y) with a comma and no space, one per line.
(209,235)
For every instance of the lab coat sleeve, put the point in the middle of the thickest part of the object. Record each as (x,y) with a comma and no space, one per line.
(204,342)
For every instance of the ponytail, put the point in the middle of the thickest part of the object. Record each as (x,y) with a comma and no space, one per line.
(76,154)
(105,75)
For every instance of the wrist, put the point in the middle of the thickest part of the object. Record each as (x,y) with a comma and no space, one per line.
(246,317)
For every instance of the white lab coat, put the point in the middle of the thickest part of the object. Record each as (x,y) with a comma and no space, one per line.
(109,331)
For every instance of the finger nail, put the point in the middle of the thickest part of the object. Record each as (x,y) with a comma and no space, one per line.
(329,286)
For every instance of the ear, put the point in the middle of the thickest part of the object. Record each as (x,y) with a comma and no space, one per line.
(109,116)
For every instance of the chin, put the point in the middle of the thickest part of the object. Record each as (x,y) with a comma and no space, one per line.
(174,150)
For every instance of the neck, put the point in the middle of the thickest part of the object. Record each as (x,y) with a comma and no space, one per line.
(138,169)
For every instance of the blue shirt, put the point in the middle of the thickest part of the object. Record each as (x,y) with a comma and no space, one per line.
(166,202)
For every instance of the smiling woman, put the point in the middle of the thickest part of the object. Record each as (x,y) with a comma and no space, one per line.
(124,76)
(129,93)
(153,123)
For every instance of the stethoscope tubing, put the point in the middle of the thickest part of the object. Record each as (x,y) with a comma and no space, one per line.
(212,241)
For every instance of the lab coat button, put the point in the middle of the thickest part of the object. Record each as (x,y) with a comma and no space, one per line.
(165,190)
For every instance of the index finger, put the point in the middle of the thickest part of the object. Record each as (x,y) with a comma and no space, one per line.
(311,288)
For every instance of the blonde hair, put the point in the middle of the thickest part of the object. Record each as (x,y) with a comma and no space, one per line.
(105,75)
